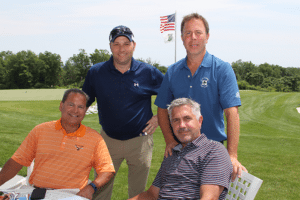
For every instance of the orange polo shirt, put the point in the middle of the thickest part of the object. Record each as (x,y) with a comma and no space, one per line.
(63,160)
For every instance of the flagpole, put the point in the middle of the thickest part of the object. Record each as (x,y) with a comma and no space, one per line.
(175,32)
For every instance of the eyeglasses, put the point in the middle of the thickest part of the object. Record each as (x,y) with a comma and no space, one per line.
(120,30)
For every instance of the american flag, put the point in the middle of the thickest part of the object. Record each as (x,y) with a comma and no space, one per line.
(167,23)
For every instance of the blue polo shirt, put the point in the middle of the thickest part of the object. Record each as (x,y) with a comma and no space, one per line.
(124,100)
(213,86)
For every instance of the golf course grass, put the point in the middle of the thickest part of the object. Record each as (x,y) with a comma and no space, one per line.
(269,141)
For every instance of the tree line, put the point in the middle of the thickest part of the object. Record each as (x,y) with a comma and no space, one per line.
(266,77)
(25,70)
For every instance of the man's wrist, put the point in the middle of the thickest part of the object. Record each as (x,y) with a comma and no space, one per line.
(94,187)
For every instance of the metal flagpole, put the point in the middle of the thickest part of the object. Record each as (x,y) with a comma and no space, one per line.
(175,33)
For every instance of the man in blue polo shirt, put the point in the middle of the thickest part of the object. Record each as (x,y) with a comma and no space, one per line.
(207,80)
(123,88)
(198,168)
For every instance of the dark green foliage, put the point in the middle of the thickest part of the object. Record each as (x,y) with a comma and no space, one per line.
(266,77)
(161,68)
(25,70)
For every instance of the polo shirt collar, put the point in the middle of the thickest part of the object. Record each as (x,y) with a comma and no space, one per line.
(196,143)
(79,133)
(134,64)
(200,140)
(206,62)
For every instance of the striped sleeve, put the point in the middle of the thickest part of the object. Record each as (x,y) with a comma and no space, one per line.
(27,150)
(217,168)
(102,159)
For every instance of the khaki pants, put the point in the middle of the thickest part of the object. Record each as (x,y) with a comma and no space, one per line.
(138,154)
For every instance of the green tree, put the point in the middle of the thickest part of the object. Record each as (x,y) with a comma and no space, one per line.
(69,73)
(98,56)
(254,78)
(19,69)
(82,64)
(163,69)
(270,70)
(52,68)
(4,56)
(242,68)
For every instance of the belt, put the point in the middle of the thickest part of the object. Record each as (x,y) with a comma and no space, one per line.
(143,134)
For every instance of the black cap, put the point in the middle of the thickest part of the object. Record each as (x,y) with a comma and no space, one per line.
(120,31)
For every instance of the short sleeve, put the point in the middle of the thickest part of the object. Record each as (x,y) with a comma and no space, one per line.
(217,168)
(26,152)
(164,96)
(88,87)
(102,160)
(228,87)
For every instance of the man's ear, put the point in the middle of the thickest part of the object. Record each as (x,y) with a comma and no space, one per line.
(134,45)
(61,105)
(200,120)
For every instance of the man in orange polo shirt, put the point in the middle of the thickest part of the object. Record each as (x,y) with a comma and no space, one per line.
(64,151)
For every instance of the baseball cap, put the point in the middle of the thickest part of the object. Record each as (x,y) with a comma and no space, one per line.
(120,31)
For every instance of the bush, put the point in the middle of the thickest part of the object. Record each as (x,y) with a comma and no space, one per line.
(39,85)
(243,85)
(2,87)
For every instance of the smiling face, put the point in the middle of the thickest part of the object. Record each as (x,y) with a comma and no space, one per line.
(73,111)
(122,50)
(185,124)
(194,37)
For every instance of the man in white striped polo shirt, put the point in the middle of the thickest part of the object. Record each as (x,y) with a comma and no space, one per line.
(199,168)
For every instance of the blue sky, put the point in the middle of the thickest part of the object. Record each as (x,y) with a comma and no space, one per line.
(256,31)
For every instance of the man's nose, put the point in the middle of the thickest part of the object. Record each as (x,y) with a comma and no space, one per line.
(194,36)
(182,124)
(75,109)
(122,48)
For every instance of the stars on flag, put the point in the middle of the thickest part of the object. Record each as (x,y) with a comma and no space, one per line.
(167,23)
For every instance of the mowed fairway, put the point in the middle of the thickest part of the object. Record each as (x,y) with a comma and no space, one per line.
(269,141)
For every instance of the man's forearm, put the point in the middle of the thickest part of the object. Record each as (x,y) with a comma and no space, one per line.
(9,170)
(103,178)
(233,130)
(151,194)
(144,195)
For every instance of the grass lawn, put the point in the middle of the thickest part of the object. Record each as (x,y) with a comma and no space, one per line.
(269,141)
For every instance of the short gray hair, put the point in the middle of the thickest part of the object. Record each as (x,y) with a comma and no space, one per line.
(185,101)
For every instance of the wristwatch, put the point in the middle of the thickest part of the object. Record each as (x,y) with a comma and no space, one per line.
(94,186)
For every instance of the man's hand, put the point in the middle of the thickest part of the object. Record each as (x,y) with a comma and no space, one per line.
(237,168)
(152,124)
(86,192)
(169,147)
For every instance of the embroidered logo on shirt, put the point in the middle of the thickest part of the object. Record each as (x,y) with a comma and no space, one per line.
(78,147)
(204,82)
(136,84)
(237,95)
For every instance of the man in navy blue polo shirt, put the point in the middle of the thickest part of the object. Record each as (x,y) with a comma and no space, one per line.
(123,88)
(198,168)
(207,80)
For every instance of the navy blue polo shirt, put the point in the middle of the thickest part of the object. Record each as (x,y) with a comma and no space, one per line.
(124,100)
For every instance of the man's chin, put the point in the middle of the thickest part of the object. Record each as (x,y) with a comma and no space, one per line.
(75,124)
